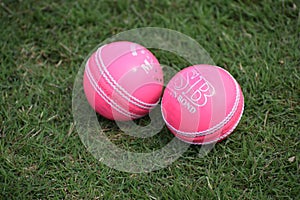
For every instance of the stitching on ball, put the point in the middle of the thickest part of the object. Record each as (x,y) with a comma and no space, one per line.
(227,133)
(110,102)
(117,87)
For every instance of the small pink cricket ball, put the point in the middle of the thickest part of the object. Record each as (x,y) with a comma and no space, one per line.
(123,81)
(202,104)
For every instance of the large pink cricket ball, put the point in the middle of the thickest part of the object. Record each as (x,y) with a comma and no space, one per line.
(202,104)
(123,81)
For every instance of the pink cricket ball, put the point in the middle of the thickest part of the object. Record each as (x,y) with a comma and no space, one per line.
(123,81)
(202,104)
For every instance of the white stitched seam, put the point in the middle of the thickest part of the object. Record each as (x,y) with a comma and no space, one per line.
(102,94)
(117,87)
(110,102)
(223,136)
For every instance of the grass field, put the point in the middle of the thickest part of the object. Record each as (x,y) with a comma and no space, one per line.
(42,45)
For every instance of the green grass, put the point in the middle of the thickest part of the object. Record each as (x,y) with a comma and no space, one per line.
(42,46)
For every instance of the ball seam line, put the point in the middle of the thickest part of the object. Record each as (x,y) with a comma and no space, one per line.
(101,93)
(117,87)
(109,101)
(223,136)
